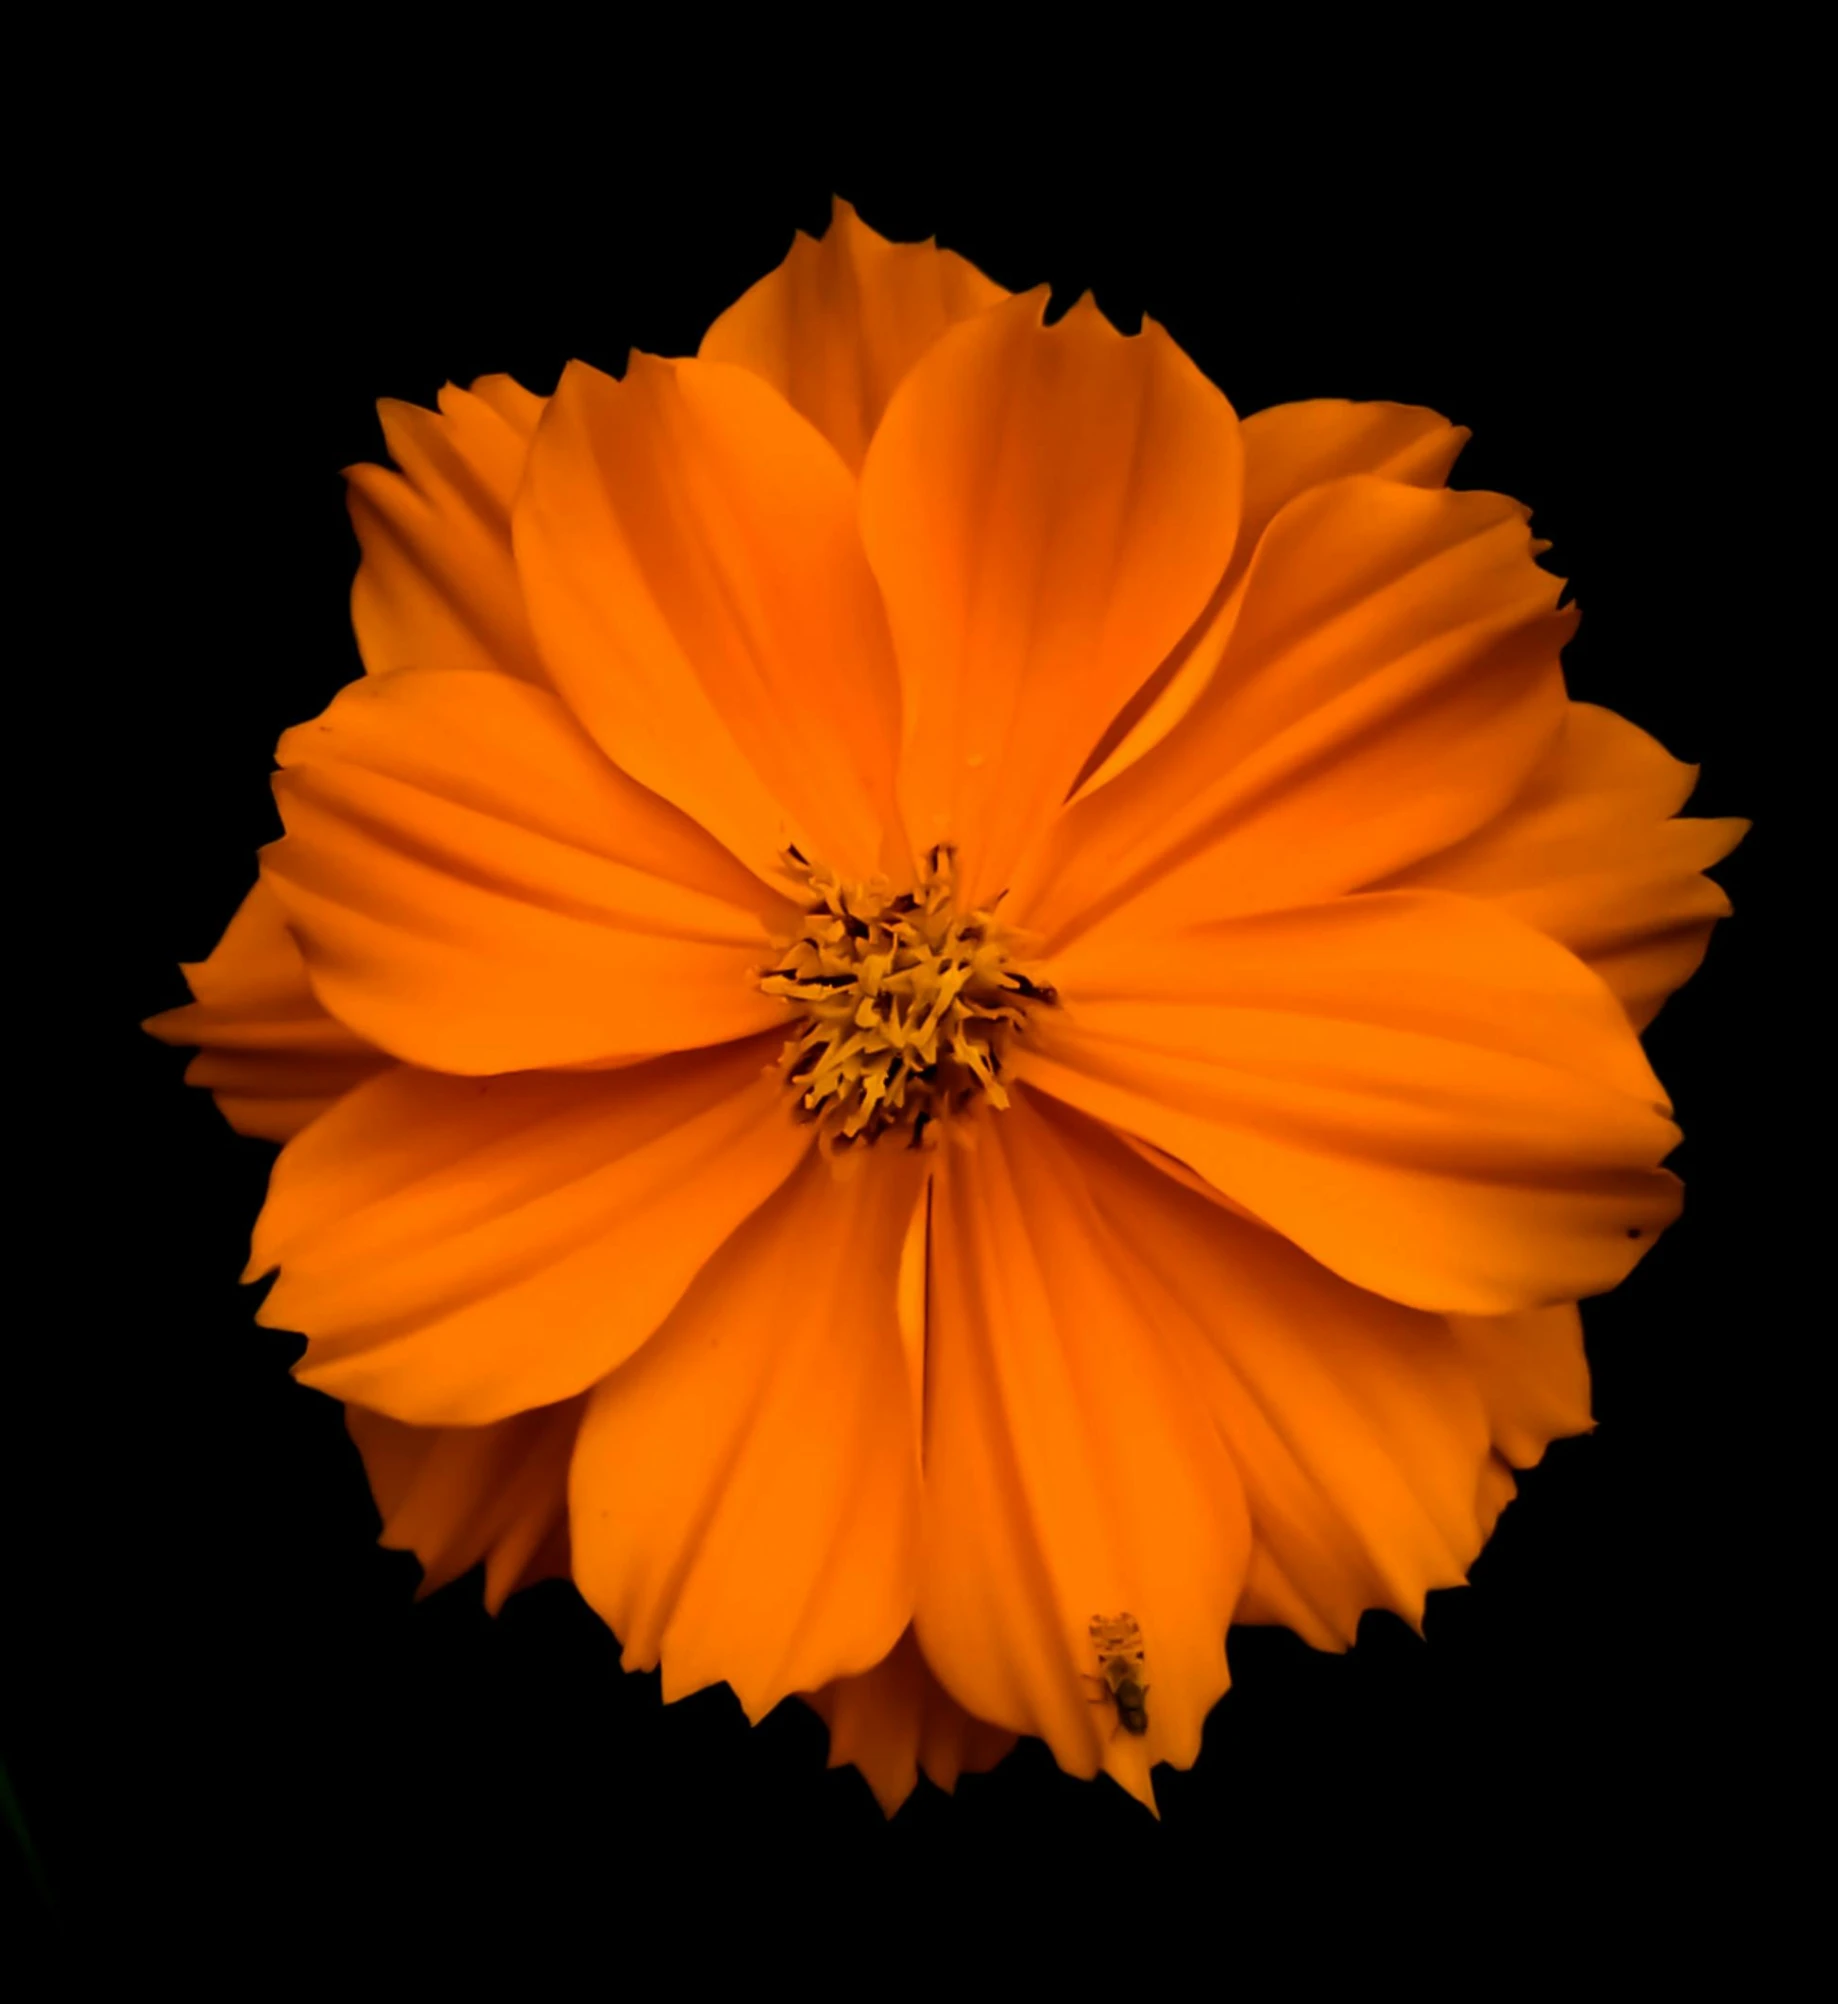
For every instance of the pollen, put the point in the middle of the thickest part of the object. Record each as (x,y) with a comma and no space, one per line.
(906,1004)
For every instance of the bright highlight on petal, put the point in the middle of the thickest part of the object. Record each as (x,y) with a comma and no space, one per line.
(943,1021)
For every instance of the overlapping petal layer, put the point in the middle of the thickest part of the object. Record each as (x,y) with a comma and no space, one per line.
(1291,448)
(689,556)
(458,1250)
(895,1721)
(1288,449)
(744,1498)
(1358,1428)
(268,1052)
(476,889)
(438,586)
(1389,684)
(459,1496)
(1046,510)
(1589,853)
(1420,1091)
(1069,1471)
(836,327)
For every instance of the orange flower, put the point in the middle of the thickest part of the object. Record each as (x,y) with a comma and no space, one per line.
(944,1019)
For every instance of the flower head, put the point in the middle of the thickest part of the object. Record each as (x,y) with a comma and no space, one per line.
(943,1019)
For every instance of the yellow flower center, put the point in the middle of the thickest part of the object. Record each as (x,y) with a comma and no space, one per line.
(906,1004)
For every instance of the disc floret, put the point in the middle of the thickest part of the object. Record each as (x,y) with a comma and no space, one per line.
(906,1004)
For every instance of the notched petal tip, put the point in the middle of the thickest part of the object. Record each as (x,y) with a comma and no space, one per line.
(895,1723)
(268,1052)
(843,318)
(1595,853)
(457,1498)
(1135,1777)
(171,1026)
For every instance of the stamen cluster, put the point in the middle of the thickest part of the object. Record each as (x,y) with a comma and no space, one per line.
(907,1004)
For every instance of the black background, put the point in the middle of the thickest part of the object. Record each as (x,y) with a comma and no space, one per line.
(229,1715)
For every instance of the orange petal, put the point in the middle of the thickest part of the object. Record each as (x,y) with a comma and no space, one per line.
(476,889)
(1534,1380)
(457,1495)
(1069,1472)
(837,326)
(1390,682)
(1290,448)
(1533,1377)
(1357,1427)
(1589,853)
(268,1052)
(1046,509)
(689,550)
(1287,450)
(1423,1093)
(745,1496)
(894,1720)
(438,587)
(457,1250)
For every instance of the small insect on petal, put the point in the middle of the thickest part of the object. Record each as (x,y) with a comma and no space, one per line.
(1117,1638)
